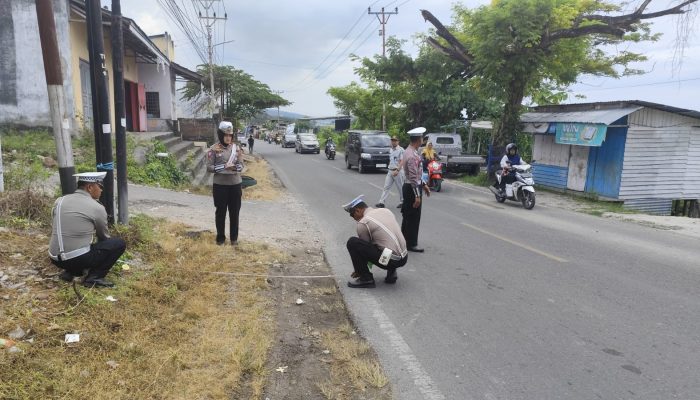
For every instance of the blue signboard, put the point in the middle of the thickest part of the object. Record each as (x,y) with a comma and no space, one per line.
(580,134)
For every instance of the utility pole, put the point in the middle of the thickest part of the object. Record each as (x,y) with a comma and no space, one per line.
(209,21)
(100,106)
(278,92)
(383,20)
(119,112)
(54,81)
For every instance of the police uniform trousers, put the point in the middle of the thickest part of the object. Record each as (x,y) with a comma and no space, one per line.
(362,252)
(411,216)
(98,261)
(227,197)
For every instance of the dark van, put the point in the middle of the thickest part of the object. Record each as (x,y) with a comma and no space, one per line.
(367,150)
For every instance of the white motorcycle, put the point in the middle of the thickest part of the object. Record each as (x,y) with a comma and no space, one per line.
(521,190)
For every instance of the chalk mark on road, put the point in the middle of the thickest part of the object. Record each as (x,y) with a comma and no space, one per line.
(513,242)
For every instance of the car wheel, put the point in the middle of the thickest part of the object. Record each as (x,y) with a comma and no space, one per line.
(360,168)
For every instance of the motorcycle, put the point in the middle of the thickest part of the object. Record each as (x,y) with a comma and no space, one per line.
(435,175)
(521,190)
(278,140)
(330,151)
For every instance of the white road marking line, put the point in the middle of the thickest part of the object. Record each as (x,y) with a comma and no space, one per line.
(421,379)
(521,245)
(376,186)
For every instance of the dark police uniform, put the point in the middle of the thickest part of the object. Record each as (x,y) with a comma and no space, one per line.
(412,189)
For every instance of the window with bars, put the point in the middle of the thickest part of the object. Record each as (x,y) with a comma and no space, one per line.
(153,104)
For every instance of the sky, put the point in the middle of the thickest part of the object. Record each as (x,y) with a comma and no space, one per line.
(301,47)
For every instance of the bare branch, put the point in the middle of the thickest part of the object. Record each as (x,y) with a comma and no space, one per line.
(457,48)
(449,52)
(615,26)
(638,14)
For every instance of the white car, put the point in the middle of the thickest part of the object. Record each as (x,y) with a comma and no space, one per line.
(307,143)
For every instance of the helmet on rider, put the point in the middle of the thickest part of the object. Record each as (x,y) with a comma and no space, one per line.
(511,146)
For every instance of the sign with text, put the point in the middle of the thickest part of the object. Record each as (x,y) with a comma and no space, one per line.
(580,134)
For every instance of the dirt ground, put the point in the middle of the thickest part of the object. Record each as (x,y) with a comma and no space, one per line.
(317,352)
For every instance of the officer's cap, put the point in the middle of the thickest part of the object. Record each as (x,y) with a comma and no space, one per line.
(353,203)
(417,131)
(91,177)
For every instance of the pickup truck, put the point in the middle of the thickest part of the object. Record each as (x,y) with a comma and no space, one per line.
(449,147)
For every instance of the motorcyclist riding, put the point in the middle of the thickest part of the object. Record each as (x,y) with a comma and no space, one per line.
(509,159)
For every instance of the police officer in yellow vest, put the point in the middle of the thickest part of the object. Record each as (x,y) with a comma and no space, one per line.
(77,219)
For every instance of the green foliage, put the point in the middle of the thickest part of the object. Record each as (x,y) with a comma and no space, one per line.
(157,171)
(481,179)
(426,91)
(138,233)
(243,96)
(27,144)
(535,49)
(339,138)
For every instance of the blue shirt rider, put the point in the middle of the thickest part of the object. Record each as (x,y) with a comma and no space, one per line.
(510,158)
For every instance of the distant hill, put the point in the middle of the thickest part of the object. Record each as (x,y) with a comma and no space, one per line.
(284,115)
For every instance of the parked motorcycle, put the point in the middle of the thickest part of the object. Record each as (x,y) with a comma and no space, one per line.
(278,140)
(521,190)
(435,175)
(330,151)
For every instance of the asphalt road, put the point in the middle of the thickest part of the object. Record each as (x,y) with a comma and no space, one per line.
(513,304)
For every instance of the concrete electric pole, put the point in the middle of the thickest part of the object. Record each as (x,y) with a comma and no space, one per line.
(100,109)
(119,112)
(383,20)
(60,119)
(209,21)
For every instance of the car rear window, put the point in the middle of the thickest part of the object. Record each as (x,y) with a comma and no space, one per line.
(444,140)
(376,141)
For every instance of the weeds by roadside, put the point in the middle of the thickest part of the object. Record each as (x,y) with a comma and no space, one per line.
(481,179)
(173,332)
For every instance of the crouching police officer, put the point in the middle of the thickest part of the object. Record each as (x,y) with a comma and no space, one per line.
(379,241)
(77,218)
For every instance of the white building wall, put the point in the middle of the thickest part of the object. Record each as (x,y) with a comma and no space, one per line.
(22,64)
(659,152)
(156,78)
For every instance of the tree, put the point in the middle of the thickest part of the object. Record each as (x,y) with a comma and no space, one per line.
(536,48)
(426,91)
(242,97)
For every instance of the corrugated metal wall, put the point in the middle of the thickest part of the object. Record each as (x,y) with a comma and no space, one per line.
(662,157)
(650,206)
(552,161)
(550,175)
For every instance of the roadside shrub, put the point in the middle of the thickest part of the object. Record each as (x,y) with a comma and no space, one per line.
(23,208)
(157,171)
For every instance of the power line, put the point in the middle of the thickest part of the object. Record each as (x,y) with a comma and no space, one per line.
(342,54)
(640,85)
(304,79)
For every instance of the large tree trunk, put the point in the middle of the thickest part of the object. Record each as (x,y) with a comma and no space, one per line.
(508,125)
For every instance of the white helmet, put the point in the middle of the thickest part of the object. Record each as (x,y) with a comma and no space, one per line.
(226,126)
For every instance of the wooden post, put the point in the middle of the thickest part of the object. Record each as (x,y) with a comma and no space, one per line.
(60,120)
(119,112)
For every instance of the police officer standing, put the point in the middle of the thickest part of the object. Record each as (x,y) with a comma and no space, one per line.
(413,189)
(77,218)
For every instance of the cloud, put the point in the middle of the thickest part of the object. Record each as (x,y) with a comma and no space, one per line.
(282,42)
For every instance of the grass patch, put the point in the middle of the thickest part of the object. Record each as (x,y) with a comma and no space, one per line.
(481,179)
(353,363)
(176,332)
